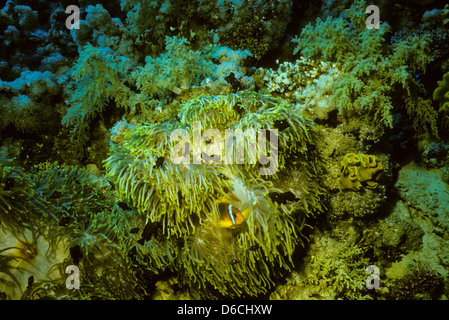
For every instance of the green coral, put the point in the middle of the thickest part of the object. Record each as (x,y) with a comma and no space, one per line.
(105,78)
(174,70)
(445,14)
(441,93)
(334,268)
(102,78)
(373,71)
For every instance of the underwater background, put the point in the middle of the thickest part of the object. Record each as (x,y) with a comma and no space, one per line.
(343,195)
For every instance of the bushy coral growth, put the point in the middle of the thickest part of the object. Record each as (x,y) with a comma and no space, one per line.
(336,271)
(373,70)
(174,70)
(104,79)
(244,25)
(101,77)
(441,93)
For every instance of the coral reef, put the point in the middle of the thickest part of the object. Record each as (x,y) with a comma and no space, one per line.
(224,149)
(99,73)
(338,271)
(362,53)
(441,93)
(240,25)
(174,70)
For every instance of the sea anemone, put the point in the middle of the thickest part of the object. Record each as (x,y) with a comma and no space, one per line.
(173,194)
(15,191)
(27,255)
(240,261)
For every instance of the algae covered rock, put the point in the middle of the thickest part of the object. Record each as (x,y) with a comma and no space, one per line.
(428,193)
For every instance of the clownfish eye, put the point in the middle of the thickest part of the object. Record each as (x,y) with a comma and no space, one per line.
(233,261)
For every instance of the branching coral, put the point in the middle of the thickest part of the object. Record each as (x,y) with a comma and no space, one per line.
(238,25)
(102,77)
(441,93)
(174,70)
(372,70)
(334,268)
(338,270)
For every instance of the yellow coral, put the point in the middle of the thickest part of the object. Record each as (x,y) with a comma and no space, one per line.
(359,170)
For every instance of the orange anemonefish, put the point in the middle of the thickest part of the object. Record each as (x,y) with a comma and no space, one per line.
(230,216)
